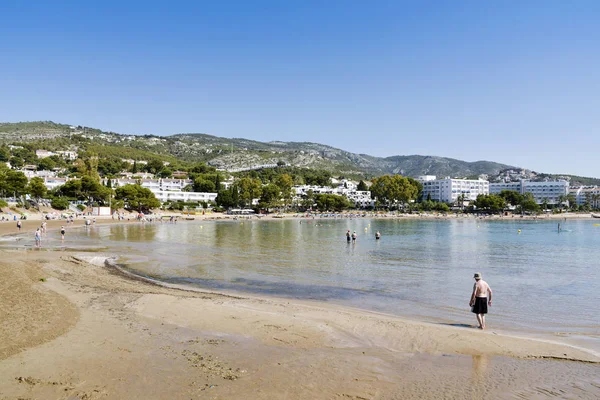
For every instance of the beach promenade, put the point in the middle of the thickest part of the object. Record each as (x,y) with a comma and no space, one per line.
(75,327)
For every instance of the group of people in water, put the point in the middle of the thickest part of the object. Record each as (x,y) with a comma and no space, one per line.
(351,237)
(42,231)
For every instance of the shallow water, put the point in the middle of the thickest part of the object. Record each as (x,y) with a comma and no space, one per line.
(543,281)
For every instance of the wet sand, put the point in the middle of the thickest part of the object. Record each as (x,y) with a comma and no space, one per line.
(73,327)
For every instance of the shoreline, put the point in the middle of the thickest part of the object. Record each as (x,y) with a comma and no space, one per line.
(98,324)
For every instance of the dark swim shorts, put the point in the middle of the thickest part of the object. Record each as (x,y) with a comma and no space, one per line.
(480,306)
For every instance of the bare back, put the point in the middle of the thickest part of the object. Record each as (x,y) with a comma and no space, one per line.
(481,288)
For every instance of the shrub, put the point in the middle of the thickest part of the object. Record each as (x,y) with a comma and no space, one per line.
(81,207)
(60,203)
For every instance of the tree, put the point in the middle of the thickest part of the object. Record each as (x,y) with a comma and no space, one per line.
(165,173)
(248,189)
(154,166)
(270,197)
(94,191)
(4,153)
(571,200)
(201,168)
(88,167)
(308,200)
(46,164)
(60,203)
(393,190)
(285,183)
(331,202)
(225,198)
(13,183)
(528,204)
(595,200)
(562,199)
(512,197)
(203,185)
(37,189)
(460,200)
(362,186)
(16,162)
(71,189)
(490,202)
(136,197)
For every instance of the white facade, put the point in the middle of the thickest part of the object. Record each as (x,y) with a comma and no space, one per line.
(360,198)
(548,192)
(586,194)
(448,190)
(164,196)
(168,189)
(67,155)
(44,153)
(496,188)
(53,182)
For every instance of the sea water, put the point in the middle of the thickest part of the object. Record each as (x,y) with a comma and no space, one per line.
(543,280)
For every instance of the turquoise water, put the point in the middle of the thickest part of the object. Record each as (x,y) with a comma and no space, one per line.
(543,281)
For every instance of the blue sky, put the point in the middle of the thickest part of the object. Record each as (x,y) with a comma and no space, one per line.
(516,82)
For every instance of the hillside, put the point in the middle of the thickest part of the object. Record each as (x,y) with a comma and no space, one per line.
(239,153)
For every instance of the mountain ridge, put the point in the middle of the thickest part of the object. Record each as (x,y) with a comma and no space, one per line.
(236,153)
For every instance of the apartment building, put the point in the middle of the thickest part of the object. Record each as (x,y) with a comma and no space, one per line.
(548,192)
(586,195)
(360,198)
(448,190)
(167,189)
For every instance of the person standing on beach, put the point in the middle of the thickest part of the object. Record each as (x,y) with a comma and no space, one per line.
(353,236)
(62,232)
(19,225)
(348,235)
(481,298)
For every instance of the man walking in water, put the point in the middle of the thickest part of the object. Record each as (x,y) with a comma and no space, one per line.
(480,299)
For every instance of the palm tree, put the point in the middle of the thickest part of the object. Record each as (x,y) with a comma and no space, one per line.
(572,201)
(595,200)
(562,199)
(460,200)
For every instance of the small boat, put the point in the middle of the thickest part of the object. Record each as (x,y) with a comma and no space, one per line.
(595,215)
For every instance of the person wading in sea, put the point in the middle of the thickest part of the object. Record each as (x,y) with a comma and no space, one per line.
(481,298)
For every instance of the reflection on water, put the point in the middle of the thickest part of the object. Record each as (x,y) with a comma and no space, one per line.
(541,278)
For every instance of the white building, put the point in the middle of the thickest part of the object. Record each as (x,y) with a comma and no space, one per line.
(496,188)
(448,190)
(67,155)
(167,189)
(53,182)
(548,192)
(44,153)
(40,174)
(165,195)
(586,194)
(347,189)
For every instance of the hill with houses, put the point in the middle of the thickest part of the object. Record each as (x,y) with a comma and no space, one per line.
(238,154)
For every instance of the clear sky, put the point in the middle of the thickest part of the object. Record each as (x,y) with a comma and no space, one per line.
(516,82)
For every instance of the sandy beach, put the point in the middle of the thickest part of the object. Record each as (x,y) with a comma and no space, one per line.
(75,327)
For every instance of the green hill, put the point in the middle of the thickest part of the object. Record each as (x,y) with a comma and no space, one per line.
(239,153)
